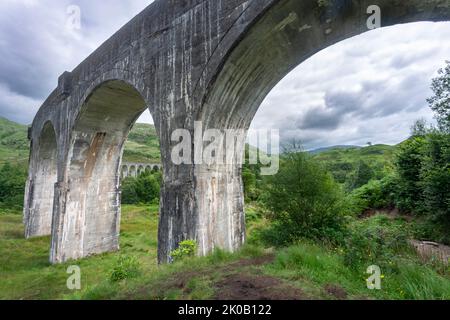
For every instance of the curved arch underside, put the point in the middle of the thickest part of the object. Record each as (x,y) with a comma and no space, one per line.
(38,211)
(289,33)
(92,220)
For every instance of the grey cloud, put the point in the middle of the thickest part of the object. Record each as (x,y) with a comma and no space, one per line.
(368,88)
(36,47)
(318,119)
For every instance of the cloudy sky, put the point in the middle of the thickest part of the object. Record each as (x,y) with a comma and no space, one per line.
(368,88)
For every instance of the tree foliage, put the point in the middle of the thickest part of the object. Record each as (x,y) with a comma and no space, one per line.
(305,200)
(143,189)
(12,185)
(423,166)
(361,176)
(440,101)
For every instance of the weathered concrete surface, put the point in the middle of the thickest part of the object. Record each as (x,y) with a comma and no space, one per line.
(194,60)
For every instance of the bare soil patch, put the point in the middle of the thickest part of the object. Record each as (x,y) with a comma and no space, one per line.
(256,287)
(336,291)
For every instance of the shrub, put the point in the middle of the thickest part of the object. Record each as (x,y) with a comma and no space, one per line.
(187,248)
(129,195)
(361,176)
(377,194)
(251,191)
(306,202)
(408,164)
(435,178)
(377,240)
(125,268)
(143,189)
(12,186)
(423,165)
(148,188)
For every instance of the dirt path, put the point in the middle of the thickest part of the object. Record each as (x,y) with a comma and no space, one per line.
(244,286)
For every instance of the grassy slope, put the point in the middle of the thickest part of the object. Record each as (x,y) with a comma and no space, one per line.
(14,144)
(142,144)
(26,273)
(341,161)
(304,271)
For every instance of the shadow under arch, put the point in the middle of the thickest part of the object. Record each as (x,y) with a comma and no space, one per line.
(91,223)
(41,184)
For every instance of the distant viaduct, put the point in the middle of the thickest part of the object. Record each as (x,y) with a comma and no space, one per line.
(130,169)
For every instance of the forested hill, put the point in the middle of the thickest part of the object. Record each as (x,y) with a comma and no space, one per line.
(347,162)
(14,144)
(142,145)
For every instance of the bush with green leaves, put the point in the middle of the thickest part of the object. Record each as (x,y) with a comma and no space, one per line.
(377,194)
(12,185)
(408,163)
(423,165)
(126,267)
(251,190)
(305,202)
(129,194)
(361,176)
(143,189)
(187,248)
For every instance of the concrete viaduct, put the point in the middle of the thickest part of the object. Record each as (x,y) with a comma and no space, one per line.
(212,61)
(135,169)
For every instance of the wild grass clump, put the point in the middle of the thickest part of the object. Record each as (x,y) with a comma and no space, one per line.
(377,240)
(126,267)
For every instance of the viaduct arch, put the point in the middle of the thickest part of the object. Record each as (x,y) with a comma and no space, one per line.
(212,61)
(129,169)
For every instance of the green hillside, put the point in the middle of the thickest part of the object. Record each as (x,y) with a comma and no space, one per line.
(342,162)
(14,144)
(142,144)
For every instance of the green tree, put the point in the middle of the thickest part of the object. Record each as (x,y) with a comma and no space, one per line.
(440,101)
(409,166)
(362,175)
(12,185)
(147,188)
(129,195)
(420,128)
(435,178)
(305,200)
(143,189)
(249,181)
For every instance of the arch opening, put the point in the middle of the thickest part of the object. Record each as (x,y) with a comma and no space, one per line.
(124,172)
(42,185)
(92,223)
(289,33)
(281,39)
(133,172)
